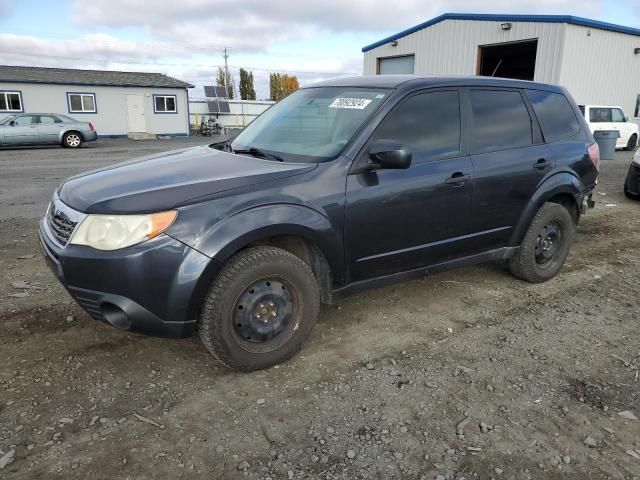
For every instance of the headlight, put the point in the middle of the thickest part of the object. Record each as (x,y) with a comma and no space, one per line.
(111,232)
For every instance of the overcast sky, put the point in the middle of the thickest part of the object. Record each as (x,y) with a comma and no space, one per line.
(312,39)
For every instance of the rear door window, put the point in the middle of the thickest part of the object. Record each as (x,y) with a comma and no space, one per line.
(501,120)
(49,119)
(599,115)
(557,119)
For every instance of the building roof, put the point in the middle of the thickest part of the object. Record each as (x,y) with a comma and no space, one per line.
(69,76)
(584,22)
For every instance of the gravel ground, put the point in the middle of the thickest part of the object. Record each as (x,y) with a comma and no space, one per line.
(469,374)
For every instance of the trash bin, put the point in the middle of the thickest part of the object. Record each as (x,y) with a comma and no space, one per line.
(606,140)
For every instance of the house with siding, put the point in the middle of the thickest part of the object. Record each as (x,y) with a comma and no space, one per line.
(136,104)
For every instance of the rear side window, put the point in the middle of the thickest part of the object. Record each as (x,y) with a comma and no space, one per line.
(557,119)
(599,115)
(501,120)
(428,123)
(617,115)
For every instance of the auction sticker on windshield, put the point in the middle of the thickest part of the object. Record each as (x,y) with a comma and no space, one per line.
(355,103)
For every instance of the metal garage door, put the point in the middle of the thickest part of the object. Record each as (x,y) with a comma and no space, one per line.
(396,65)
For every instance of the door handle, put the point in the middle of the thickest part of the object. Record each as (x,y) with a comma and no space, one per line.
(542,164)
(457,179)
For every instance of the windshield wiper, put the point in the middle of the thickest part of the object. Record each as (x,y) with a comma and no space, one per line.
(256,152)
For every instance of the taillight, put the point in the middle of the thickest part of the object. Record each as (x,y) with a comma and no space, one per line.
(594,153)
(91,127)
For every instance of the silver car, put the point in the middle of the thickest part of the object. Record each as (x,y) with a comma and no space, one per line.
(45,128)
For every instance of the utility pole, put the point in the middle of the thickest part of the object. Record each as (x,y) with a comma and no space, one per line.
(226,70)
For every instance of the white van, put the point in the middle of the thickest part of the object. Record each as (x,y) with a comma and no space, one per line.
(601,117)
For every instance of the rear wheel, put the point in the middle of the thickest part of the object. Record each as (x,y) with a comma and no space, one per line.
(260,309)
(632,143)
(72,140)
(545,246)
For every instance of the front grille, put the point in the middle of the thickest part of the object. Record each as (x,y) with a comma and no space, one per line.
(60,224)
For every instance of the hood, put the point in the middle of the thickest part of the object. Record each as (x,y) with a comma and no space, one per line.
(167,180)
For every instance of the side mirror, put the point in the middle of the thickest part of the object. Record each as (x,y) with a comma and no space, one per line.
(626,118)
(389,154)
(12,123)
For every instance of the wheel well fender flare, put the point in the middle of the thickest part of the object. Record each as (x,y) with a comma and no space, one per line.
(229,236)
(561,186)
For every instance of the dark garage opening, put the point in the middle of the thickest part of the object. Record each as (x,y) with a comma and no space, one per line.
(508,60)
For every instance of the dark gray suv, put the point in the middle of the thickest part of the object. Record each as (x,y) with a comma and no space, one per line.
(345,185)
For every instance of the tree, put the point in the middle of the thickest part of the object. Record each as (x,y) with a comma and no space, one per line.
(282,85)
(247,91)
(220,81)
(289,84)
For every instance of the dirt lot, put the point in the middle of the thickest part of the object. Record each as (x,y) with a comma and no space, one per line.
(470,374)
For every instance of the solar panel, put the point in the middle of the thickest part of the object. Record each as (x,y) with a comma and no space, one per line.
(210,91)
(215,91)
(218,106)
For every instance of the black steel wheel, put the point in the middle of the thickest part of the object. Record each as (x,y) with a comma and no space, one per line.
(545,246)
(260,309)
(632,144)
(263,313)
(548,244)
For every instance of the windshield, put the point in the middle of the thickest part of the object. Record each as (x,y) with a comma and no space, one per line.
(5,120)
(311,125)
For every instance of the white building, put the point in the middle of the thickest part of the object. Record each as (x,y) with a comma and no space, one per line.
(117,103)
(598,62)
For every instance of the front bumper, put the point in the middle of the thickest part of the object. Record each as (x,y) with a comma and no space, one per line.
(632,184)
(154,288)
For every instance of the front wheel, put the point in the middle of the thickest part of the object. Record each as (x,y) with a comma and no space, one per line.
(631,195)
(632,143)
(72,140)
(545,246)
(260,309)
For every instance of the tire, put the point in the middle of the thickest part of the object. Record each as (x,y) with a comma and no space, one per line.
(260,309)
(631,195)
(537,261)
(72,140)
(632,144)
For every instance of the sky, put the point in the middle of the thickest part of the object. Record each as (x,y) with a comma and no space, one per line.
(312,39)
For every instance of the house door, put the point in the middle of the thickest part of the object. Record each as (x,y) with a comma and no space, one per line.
(135,110)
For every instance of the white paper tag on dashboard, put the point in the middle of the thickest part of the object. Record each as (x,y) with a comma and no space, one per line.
(354,103)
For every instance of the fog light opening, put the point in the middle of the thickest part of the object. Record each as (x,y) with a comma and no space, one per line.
(115,316)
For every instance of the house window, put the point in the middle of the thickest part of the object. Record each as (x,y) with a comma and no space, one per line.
(164,104)
(10,102)
(81,102)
